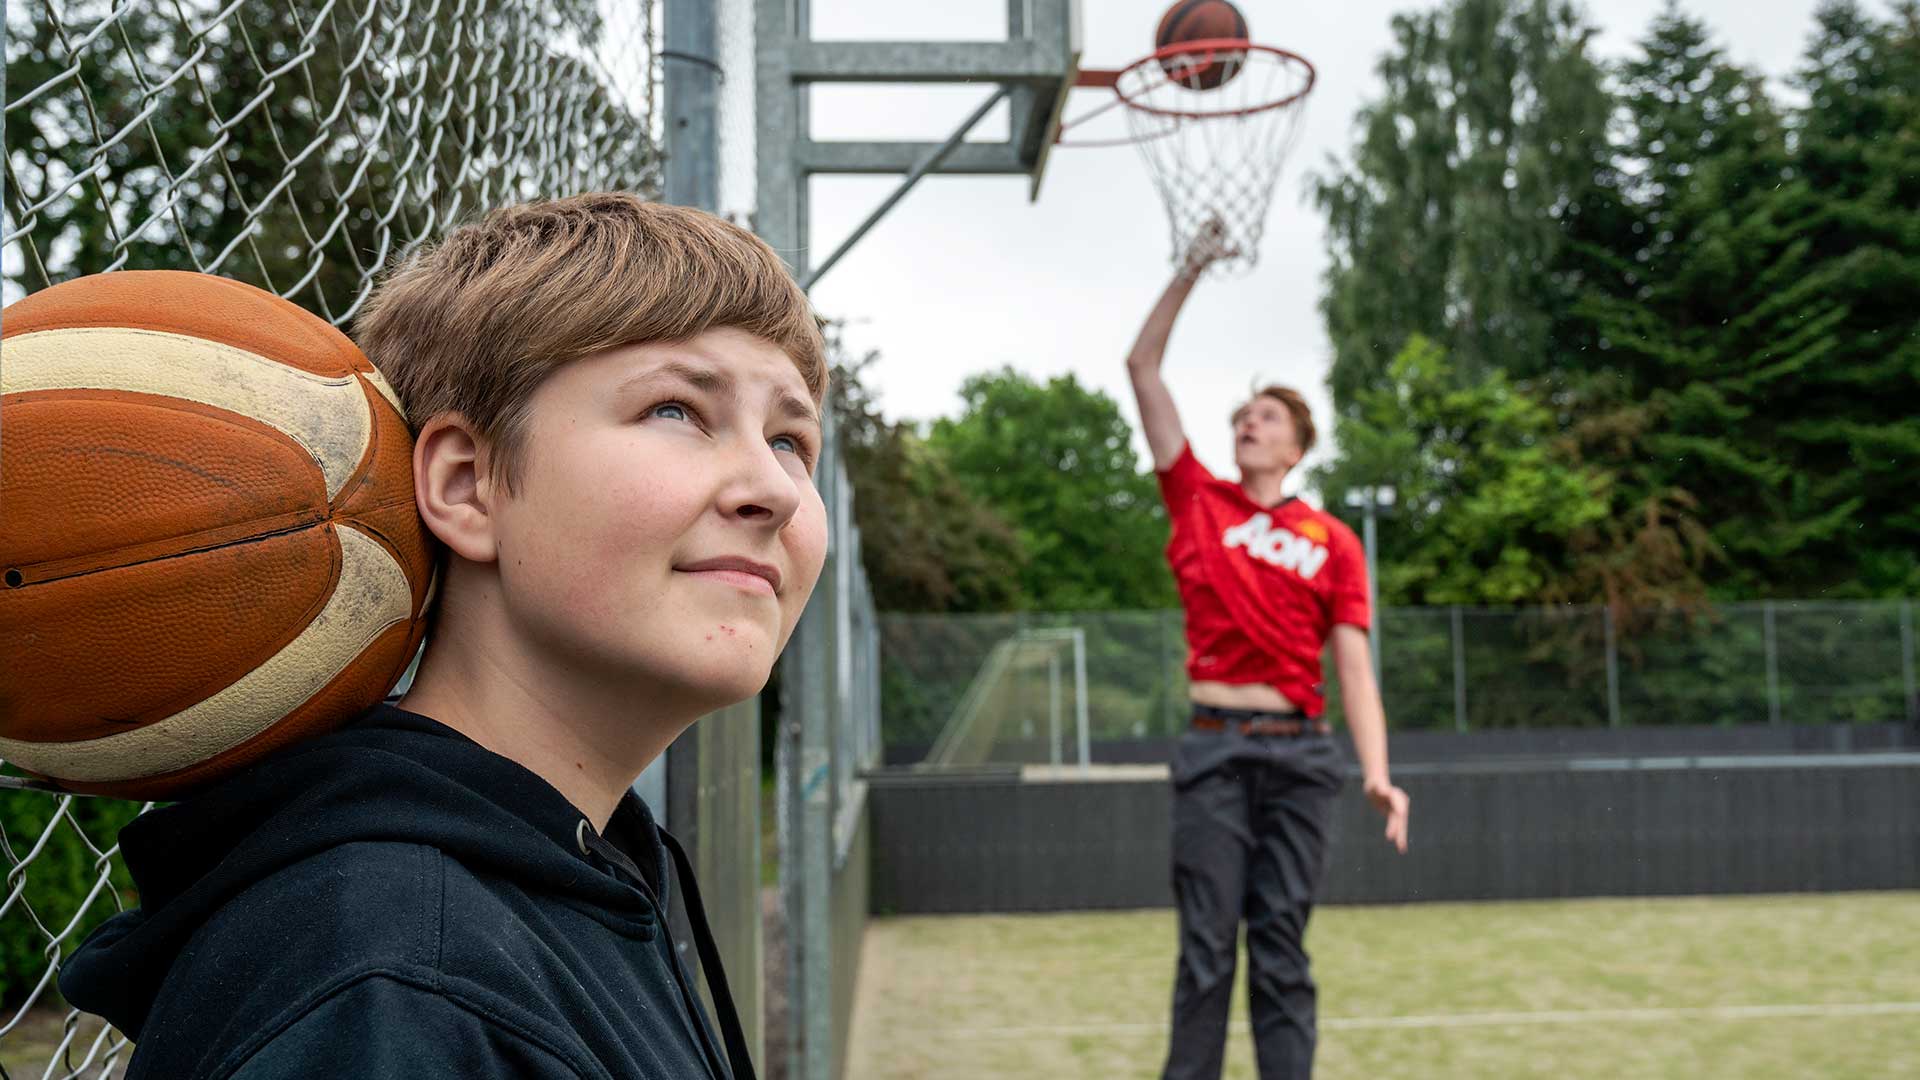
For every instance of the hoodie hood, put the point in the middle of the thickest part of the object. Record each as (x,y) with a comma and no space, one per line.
(392,775)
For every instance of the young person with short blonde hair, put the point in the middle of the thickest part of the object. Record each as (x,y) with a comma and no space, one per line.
(616,406)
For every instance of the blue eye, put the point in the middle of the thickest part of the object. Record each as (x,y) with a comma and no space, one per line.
(792,445)
(670,410)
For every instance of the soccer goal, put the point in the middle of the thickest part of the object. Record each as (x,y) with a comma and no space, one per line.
(1014,710)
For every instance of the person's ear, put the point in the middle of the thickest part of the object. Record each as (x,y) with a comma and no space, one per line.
(454,487)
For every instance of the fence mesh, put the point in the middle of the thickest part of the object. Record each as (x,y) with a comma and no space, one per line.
(1442,669)
(64,878)
(301,146)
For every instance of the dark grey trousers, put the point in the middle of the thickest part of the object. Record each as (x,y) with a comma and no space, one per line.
(1249,842)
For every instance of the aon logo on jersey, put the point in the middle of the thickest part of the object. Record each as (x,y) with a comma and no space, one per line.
(1269,543)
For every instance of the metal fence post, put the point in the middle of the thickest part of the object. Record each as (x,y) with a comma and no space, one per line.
(1172,653)
(1080,692)
(844,568)
(1053,705)
(808,678)
(1910,701)
(1773,664)
(1613,671)
(1459,671)
(689,81)
(1373,577)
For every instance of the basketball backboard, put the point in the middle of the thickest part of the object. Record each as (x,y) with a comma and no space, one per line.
(1047,132)
(1033,69)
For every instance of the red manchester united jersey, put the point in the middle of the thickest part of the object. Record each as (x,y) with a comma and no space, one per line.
(1263,586)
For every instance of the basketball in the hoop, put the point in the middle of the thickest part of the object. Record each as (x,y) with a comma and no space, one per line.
(1201,21)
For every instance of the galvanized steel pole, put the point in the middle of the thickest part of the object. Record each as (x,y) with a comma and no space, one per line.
(691,83)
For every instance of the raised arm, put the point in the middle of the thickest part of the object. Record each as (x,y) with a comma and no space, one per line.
(1158,417)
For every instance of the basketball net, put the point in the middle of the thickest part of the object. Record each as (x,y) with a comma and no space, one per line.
(1216,154)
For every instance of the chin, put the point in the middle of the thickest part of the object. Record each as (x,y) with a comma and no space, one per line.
(725,669)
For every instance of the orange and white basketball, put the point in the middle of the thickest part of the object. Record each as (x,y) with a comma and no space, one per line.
(208,540)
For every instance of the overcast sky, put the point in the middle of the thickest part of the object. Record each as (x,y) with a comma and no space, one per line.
(965,275)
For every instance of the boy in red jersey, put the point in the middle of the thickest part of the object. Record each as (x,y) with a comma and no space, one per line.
(1266,581)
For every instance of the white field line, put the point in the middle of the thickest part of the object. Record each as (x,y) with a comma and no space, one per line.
(1467,1020)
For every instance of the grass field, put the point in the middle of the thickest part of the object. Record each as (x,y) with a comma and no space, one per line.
(1778,986)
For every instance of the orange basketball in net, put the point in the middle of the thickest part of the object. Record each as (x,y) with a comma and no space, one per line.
(208,540)
(1201,20)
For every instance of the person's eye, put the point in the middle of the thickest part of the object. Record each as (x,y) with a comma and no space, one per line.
(670,410)
(797,445)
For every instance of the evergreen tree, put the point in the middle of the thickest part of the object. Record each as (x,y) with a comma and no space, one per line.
(1702,142)
(1717,305)
(1476,176)
(1765,346)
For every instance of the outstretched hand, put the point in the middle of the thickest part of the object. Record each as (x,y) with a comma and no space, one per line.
(1393,803)
(1209,246)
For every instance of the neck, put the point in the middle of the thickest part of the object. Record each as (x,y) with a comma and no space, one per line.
(1264,486)
(582,734)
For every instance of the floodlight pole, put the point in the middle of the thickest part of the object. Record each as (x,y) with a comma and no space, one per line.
(1373,589)
(1369,500)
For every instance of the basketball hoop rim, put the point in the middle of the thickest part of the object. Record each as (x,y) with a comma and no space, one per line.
(1208,46)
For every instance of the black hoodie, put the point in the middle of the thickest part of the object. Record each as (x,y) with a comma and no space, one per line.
(395,900)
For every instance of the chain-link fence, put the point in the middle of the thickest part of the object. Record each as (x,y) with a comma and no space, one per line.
(301,146)
(64,878)
(1458,669)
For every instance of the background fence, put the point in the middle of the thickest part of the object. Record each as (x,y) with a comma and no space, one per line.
(953,842)
(301,144)
(1443,670)
(829,737)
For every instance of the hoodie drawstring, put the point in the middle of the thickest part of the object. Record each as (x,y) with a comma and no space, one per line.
(739,1060)
(730,1029)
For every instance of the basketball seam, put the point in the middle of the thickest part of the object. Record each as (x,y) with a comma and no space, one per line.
(394,545)
(197,697)
(144,326)
(317,518)
(272,740)
(223,676)
(362,473)
(310,430)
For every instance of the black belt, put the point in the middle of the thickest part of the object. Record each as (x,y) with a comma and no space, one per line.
(1257,722)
